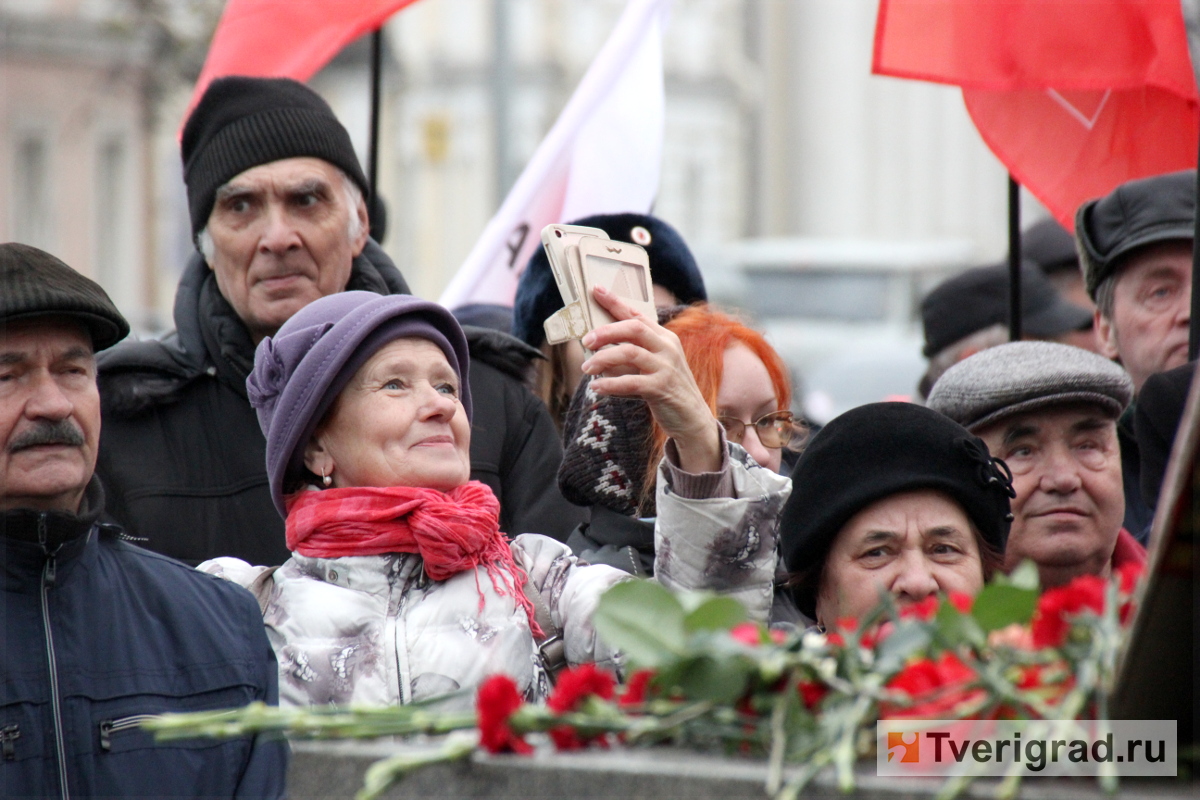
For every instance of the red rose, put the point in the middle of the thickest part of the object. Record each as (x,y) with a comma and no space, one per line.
(635,690)
(497,701)
(576,685)
(1050,624)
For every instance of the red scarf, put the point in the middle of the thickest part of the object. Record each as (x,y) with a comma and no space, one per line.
(452,531)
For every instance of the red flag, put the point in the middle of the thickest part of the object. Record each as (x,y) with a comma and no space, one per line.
(1073,96)
(287,38)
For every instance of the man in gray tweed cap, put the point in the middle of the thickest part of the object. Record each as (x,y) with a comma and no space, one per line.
(1050,412)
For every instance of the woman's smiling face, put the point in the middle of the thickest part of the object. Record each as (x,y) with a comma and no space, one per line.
(398,422)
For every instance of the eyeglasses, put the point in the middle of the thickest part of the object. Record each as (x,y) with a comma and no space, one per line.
(774,430)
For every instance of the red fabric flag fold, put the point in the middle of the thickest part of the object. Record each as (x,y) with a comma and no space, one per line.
(1073,96)
(287,38)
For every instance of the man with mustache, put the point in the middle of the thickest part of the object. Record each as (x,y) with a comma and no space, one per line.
(96,633)
(1050,411)
(1135,250)
(276,198)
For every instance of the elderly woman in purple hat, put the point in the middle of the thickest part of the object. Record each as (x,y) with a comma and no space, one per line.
(401,585)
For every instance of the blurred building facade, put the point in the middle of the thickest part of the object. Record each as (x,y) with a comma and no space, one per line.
(774,127)
(76,139)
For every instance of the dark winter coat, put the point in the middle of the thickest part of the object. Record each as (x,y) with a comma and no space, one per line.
(95,633)
(1138,515)
(180,442)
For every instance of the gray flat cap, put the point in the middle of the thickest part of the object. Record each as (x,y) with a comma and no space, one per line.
(1022,376)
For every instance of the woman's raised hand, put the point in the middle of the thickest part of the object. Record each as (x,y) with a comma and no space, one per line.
(646,360)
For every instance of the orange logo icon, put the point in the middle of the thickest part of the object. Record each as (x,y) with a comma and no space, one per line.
(905,745)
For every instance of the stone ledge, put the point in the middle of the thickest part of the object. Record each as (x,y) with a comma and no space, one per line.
(322,770)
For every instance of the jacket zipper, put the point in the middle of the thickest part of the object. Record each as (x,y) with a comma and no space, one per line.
(49,577)
(8,735)
(110,726)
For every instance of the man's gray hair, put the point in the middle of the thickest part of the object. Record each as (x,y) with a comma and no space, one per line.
(354,196)
(1106,292)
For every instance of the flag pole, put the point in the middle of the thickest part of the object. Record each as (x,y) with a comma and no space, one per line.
(1194,330)
(1014,259)
(373,140)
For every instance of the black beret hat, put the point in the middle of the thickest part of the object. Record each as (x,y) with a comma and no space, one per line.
(672,266)
(1050,246)
(978,298)
(34,283)
(878,450)
(242,122)
(1135,214)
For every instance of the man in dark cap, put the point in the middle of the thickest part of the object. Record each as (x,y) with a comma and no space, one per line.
(1135,249)
(969,312)
(275,194)
(1049,412)
(1052,248)
(673,268)
(97,633)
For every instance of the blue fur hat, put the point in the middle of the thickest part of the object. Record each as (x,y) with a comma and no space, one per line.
(672,267)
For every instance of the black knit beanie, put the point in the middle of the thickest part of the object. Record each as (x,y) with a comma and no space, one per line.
(34,283)
(878,450)
(241,123)
(672,266)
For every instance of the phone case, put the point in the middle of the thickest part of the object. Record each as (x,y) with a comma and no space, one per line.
(557,239)
(560,241)
(623,269)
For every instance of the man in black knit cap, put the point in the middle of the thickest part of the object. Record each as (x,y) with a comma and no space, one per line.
(276,198)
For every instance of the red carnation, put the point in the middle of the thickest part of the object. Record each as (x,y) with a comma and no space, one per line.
(497,701)
(812,692)
(1129,574)
(566,738)
(635,690)
(576,685)
(746,633)
(963,602)
(937,688)
(1050,624)
(924,610)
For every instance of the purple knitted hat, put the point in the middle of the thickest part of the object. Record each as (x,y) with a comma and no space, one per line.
(301,370)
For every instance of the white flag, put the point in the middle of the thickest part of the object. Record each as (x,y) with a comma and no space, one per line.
(603,156)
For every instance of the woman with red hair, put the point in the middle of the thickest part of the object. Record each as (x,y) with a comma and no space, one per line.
(683,423)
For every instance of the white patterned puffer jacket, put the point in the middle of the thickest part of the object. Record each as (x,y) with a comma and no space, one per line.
(375,630)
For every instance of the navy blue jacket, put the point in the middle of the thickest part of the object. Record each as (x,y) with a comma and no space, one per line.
(95,633)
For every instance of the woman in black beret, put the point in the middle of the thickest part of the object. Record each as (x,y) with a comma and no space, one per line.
(892,498)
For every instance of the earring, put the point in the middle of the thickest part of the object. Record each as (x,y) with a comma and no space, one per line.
(326,479)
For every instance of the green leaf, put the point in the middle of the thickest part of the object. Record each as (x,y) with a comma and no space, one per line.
(642,619)
(722,680)
(956,628)
(999,606)
(1025,576)
(905,640)
(715,614)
